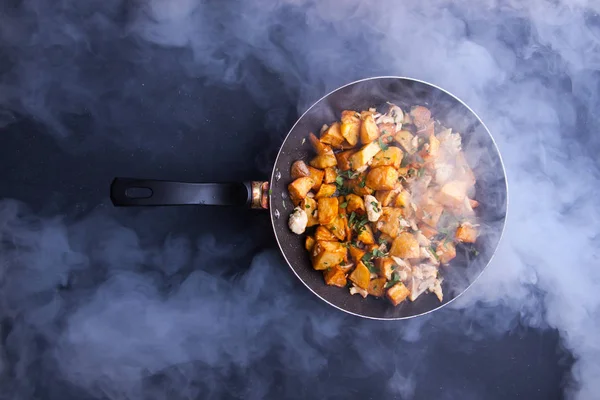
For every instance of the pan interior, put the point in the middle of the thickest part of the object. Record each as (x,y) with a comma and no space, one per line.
(479,148)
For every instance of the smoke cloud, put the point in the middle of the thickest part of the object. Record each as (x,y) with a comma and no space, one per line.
(115,304)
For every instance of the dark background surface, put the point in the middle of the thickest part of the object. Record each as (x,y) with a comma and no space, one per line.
(143,116)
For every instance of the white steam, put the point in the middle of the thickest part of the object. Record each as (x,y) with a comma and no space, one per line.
(93,290)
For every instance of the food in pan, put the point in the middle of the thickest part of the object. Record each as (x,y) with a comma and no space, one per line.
(384,202)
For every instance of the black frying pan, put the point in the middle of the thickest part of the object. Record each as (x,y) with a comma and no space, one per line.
(478,145)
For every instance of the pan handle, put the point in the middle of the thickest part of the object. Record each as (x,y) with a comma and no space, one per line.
(126,192)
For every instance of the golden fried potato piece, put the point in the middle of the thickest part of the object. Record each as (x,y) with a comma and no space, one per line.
(356,253)
(327,210)
(466,233)
(327,254)
(350,126)
(326,190)
(366,235)
(323,234)
(335,276)
(361,158)
(397,293)
(299,188)
(323,161)
(317,176)
(361,276)
(309,205)
(333,135)
(385,267)
(338,227)
(452,194)
(330,175)
(376,287)
(405,246)
(368,129)
(355,204)
(309,243)
(382,178)
(445,251)
(343,159)
(359,185)
(389,222)
(392,157)
(319,147)
(430,213)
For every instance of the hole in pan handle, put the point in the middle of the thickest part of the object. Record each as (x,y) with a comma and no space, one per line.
(126,192)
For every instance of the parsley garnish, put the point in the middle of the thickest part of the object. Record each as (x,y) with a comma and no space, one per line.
(363,182)
(383,146)
(344,204)
(395,279)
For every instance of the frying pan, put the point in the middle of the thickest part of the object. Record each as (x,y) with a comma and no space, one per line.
(479,148)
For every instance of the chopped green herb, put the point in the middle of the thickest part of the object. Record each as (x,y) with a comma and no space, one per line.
(363,182)
(383,146)
(333,228)
(344,204)
(395,279)
(375,206)
(474,251)
(434,253)
(307,206)
(420,172)
(270,192)
(404,162)
(378,253)
(339,181)
(370,266)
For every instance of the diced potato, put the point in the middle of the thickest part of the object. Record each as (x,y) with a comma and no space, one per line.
(466,233)
(405,245)
(309,205)
(363,156)
(330,175)
(420,115)
(299,169)
(397,293)
(387,131)
(371,247)
(350,126)
(355,204)
(405,139)
(389,222)
(322,234)
(382,178)
(343,159)
(377,287)
(366,235)
(333,135)
(385,267)
(319,147)
(328,210)
(309,243)
(361,276)
(386,197)
(452,194)
(299,188)
(430,213)
(356,253)
(317,176)
(403,199)
(427,230)
(338,227)
(369,131)
(392,157)
(445,251)
(326,190)
(335,276)
(359,185)
(327,254)
(323,161)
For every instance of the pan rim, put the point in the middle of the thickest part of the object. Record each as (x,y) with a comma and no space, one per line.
(273,173)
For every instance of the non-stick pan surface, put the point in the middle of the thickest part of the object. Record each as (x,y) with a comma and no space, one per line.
(478,146)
